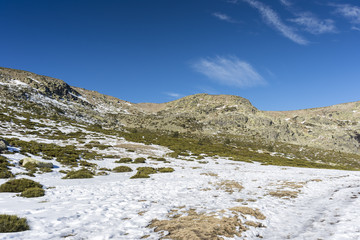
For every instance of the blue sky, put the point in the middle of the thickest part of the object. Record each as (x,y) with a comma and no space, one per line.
(280,54)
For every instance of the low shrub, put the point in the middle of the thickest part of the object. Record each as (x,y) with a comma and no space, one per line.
(33,192)
(165,169)
(102,173)
(6,173)
(124,160)
(87,164)
(19,185)
(4,168)
(12,223)
(82,173)
(104,169)
(122,169)
(144,172)
(161,159)
(140,160)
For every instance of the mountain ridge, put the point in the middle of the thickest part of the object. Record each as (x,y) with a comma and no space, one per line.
(334,127)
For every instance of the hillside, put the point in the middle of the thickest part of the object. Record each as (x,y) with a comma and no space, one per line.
(330,128)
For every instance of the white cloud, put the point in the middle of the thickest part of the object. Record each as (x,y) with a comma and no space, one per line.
(286,3)
(174,95)
(314,25)
(229,71)
(349,11)
(272,18)
(223,17)
(355,28)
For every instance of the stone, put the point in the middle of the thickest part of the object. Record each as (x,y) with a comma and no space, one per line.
(3,145)
(37,162)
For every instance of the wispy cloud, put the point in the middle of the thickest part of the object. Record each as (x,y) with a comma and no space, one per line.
(272,18)
(229,71)
(286,3)
(223,17)
(349,11)
(174,95)
(314,25)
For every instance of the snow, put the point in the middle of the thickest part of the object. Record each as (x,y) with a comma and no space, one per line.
(117,207)
(17,82)
(108,206)
(34,80)
(79,97)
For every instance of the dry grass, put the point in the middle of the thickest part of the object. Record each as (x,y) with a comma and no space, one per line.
(254,224)
(196,226)
(248,211)
(316,180)
(210,174)
(141,213)
(284,194)
(229,186)
(293,185)
(139,148)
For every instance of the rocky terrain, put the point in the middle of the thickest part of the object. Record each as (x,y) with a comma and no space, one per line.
(332,128)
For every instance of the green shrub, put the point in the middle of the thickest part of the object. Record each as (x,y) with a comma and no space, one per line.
(31,168)
(144,172)
(12,223)
(161,159)
(105,169)
(122,169)
(140,160)
(87,164)
(6,173)
(45,170)
(165,169)
(82,173)
(102,173)
(4,168)
(19,185)
(124,160)
(67,155)
(33,192)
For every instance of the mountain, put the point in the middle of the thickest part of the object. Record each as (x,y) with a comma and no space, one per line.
(332,128)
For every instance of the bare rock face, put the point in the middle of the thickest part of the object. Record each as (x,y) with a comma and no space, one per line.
(3,145)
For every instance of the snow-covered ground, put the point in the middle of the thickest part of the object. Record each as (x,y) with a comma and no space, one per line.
(316,203)
(116,207)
